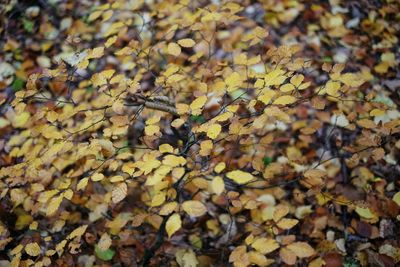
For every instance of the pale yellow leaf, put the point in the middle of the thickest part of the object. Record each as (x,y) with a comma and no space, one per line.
(396,198)
(96,14)
(287,224)
(187,42)
(194,208)
(173,224)
(301,249)
(77,232)
(217,185)
(104,242)
(214,130)
(32,249)
(233,81)
(285,100)
(265,245)
(168,208)
(267,96)
(332,88)
(119,192)
(240,177)
(174,49)
(53,205)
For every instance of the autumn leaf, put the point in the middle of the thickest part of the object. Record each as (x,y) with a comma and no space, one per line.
(301,249)
(265,245)
(213,131)
(174,49)
(173,224)
(217,185)
(187,42)
(32,249)
(284,100)
(194,208)
(119,192)
(240,177)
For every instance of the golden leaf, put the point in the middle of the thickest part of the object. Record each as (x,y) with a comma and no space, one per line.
(168,208)
(198,103)
(287,224)
(214,130)
(301,249)
(233,81)
(240,177)
(53,205)
(32,249)
(284,100)
(186,42)
(174,49)
(173,224)
(332,88)
(194,208)
(265,245)
(77,232)
(217,185)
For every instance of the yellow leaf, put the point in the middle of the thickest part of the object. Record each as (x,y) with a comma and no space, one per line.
(217,185)
(205,148)
(158,199)
(21,119)
(119,192)
(186,42)
(166,148)
(173,161)
(174,49)
(77,232)
(275,77)
(151,130)
(110,41)
(265,245)
(213,131)
(396,198)
(284,100)
(97,177)
(240,177)
(287,224)
(173,224)
(96,14)
(219,167)
(198,104)
(332,88)
(168,208)
(32,249)
(194,208)
(54,204)
(267,96)
(376,112)
(107,15)
(318,262)
(365,213)
(280,211)
(96,52)
(296,80)
(82,183)
(233,81)
(259,259)
(287,87)
(301,249)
